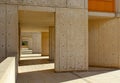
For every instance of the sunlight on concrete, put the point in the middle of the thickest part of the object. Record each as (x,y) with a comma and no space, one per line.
(38,69)
(33,56)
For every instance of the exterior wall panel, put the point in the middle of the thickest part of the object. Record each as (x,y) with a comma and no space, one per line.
(104,42)
(71,40)
(12,30)
(2,32)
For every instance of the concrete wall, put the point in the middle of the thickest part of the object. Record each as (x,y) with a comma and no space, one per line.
(2,32)
(12,30)
(71,30)
(104,42)
(8,30)
(49,3)
(118,8)
(71,39)
(36,43)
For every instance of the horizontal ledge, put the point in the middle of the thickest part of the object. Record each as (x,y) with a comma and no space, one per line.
(36,8)
(5,65)
(102,14)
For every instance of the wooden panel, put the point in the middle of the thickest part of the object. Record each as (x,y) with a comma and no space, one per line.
(12,30)
(103,43)
(2,32)
(101,5)
(52,42)
(45,43)
(71,39)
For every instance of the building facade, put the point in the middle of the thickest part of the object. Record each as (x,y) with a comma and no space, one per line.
(86,31)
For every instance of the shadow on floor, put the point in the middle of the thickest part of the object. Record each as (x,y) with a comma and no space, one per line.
(41,70)
(49,76)
(34,62)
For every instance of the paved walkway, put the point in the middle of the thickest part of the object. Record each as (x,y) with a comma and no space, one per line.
(37,69)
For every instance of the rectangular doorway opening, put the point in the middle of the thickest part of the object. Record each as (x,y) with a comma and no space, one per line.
(36,39)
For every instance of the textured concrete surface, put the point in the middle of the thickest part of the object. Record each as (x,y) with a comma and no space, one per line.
(71,56)
(37,69)
(104,42)
(7,70)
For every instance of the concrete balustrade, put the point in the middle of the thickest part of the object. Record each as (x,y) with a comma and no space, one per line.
(7,70)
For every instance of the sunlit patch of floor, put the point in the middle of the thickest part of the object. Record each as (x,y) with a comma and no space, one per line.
(33,56)
(38,69)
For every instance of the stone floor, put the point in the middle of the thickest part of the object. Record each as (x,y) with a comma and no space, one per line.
(35,68)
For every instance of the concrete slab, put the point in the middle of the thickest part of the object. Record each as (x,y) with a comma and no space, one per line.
(44,73)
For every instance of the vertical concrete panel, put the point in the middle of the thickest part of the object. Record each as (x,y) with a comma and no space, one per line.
(2,32)
(117,8)
(71,39)
(86,4)
(36,42)
(104,43)
(12,33)
(12,30)
(30,43)
(52,42)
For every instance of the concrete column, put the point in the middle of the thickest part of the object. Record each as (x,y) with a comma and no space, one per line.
(12,30)
(52,43)
(71,47)
(2,32)
(117,6)
(36,42)
(12,43)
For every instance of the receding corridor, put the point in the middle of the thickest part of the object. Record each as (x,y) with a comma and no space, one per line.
(35,68)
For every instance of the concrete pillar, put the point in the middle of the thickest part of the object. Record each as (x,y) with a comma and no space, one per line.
(71,47)
(12,43)
(36,42)
(12,30)
(117,6)
(2,32)
(52,43)
(9,24)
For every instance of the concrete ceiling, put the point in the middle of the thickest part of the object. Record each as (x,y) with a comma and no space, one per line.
(37,19)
